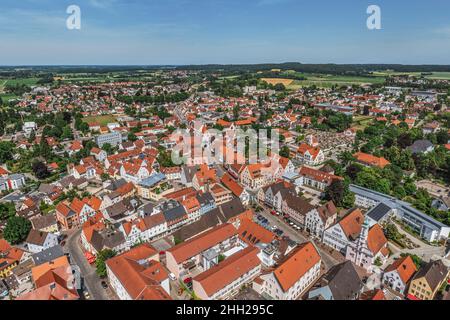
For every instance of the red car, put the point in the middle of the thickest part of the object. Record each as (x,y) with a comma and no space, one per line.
(161,253)
(273,212)
(187,280)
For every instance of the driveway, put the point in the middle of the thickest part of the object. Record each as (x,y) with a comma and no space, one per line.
(91,280)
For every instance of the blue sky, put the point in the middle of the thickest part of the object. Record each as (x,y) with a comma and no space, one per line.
(33,32)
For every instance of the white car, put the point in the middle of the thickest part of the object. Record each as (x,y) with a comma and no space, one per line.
(274,228)
(172,277)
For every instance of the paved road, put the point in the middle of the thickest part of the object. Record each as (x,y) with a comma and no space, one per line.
(91,279)
(425,251)
(328,260)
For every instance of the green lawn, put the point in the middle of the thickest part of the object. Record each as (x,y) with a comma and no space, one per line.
(27,81)
(101,120)
(7,96)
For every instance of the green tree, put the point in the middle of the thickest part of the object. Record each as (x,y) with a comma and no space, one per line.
(132,137)
(335,192)
(7,210)
(100,264)
(6,151)
(285,152)
(17,229)
(67,133)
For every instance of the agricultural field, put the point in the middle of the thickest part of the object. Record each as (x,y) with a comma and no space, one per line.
(27,81)
(327,81)
(101,120)
(274,81)
(361,122)
(432,76)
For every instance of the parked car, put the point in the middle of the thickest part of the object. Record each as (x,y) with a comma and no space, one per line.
(187,280)
(172,277)
(104,285)
(273,212)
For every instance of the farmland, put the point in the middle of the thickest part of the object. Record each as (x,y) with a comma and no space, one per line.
(328,81)
(101,120)
(274,81)
(361,122)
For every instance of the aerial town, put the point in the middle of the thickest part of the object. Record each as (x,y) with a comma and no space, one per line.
(354,205)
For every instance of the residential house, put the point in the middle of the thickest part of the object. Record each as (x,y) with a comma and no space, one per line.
(138,275)
(370,160)
(317,221)
(225,279)
(38,241)
(421,146)
(317,179)
(53,280)
(341,282)
(235,188)
(10,257)
(144,229)
(293,276)
(193,253)
(428,280)
(309,155)
(296,208)
(398,274)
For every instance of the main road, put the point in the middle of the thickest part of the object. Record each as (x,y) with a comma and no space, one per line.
(91,280)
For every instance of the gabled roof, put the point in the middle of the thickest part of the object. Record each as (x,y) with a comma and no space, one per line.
(252,233)
(343,281)
(140,276)
(376,239)
(229,270)
(202,242)
(434,272)
(296,265)
(351,224)
(371,160)
(405,268)
(231,184)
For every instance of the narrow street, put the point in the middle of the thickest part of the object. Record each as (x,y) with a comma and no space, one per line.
(91,280)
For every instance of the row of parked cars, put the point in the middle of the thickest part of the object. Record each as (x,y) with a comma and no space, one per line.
(265,223)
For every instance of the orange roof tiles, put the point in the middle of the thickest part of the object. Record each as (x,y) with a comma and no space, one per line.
(202,242)
(371,160)
(405,268)
(318,175)
(376,239)
(231,184)
(296,265)
(42,269)
(253,233)
(303,148)
(229,270)
(351,224)
(140,280)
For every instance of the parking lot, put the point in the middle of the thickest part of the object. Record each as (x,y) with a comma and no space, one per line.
(329,257)
(278,230)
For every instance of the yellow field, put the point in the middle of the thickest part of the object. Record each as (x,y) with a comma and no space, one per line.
(274,81)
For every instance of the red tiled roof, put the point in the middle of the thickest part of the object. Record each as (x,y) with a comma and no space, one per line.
(296,265)
(202,242)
